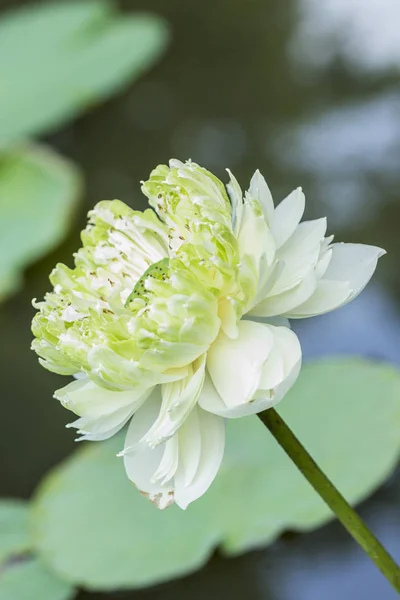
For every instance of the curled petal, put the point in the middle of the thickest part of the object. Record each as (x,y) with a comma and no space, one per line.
(300,254)
(102,412)
(350,268)
(113,371)
(235,365)
(142,464)
(182,468)
(282,367)
(294,276)
(211,431)
(285,302)
(178,399)
(240,383)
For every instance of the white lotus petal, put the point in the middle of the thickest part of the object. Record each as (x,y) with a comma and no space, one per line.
(284,357)
(175,163)
(286,384)
(181,469)
(215,405)
(284,303)
(228,316)
(211,401)
(273,371)
(300,254)
(255,237)
(327,296)
(169,462)
(268,277)
(287,216)
(102,428)
(323,263)
(80,375)
(212,432)
(178,399)
(87,399)
(235,365)
(354,263)
(350,268)
(236,197)
(140,465)
(102,412)
(260,191)
(307,236)
(279,373)
(105,363)
(189,449)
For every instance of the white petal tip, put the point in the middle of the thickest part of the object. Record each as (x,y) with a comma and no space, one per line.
(130,450)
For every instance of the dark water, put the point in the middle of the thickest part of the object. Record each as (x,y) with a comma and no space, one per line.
(309,92)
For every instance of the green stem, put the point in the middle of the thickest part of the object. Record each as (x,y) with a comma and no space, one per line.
(333,498)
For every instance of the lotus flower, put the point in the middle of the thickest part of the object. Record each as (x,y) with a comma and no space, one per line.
(176,318)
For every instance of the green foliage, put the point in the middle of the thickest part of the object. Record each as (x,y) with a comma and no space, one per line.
(58,59)
(94,529)
(30,580)
(23,577)
(14,537)
(38,191)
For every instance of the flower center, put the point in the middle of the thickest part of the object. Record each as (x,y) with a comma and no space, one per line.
(158,270)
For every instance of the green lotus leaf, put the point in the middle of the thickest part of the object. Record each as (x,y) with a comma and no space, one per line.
(58,59)
(14,538)
(38,193)
(94,529)
(31,580)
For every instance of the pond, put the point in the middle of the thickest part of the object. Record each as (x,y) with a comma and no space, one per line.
(309,93)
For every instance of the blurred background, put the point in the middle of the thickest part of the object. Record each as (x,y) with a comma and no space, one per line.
(309,93)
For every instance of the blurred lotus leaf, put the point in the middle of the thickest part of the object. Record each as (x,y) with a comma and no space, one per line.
(14,537)
(22,576)
(38,190)
(31,580)
(93,527)
(57,59)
